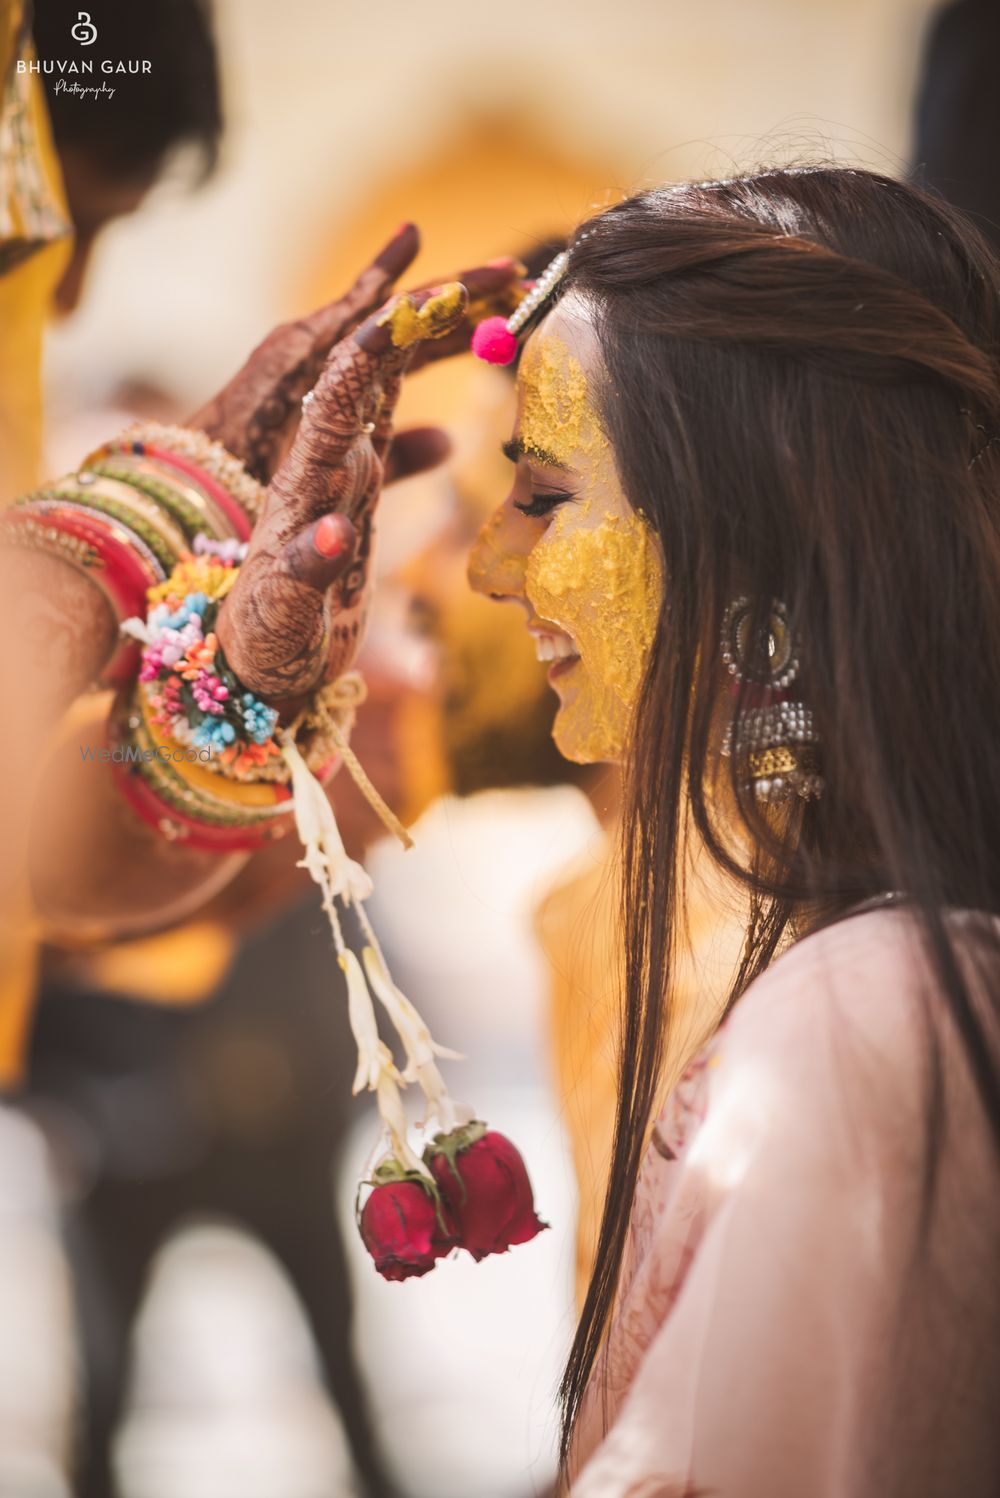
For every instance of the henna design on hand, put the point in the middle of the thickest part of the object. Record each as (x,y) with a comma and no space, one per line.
(291,621)
(268,426)
(256,415)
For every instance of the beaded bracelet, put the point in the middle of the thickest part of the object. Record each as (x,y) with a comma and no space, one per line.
(212,771)
(190,506)
(192,692)
(194,454)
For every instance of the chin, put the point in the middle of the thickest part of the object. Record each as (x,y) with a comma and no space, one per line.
(583,745)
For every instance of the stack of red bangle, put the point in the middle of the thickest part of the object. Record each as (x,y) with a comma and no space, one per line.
(130,512)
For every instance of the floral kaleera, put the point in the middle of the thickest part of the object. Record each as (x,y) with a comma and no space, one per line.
(190,691)
(468,1187)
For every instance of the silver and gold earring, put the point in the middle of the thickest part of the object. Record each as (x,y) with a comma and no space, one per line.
(776,739)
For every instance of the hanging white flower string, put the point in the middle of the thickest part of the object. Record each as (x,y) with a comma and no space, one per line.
(340,877)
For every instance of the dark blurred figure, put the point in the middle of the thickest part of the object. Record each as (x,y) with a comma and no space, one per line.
(112,150)
(958,110)
(234,1108)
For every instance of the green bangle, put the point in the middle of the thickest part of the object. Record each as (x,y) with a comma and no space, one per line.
(177,507)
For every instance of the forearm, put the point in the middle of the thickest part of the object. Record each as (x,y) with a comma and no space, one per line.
(94,867)
(96,870)
(59,632)
(77,559)
(66,632)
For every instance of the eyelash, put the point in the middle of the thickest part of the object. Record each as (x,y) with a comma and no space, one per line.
(542,504)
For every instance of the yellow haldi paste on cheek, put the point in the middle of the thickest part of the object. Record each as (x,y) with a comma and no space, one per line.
(602,584)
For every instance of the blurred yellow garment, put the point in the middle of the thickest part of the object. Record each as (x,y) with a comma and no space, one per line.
(174,969)
(578,926)
(35,235)
(34,248)
(18,982)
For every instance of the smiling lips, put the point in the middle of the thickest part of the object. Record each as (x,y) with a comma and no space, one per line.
(559,649)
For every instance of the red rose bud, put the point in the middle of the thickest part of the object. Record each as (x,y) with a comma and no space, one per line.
(401,1229)
(485,1190)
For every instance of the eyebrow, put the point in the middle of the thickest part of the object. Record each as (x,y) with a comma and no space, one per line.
(518,448)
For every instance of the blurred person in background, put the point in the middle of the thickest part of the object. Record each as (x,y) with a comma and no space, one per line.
(226,1104)
(958,110)
(112,154)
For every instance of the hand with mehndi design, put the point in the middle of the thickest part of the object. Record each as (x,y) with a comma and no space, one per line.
(295,617)
(285,628)
(256,415)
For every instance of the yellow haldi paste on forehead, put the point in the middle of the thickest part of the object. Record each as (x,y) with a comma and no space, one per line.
(556,415)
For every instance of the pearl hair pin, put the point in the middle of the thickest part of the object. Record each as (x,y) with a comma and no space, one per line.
(539,293)
(495,340)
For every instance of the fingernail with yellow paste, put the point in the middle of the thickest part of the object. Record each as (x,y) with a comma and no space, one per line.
(414,317)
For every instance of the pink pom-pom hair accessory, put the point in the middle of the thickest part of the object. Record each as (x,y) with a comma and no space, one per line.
(495,340)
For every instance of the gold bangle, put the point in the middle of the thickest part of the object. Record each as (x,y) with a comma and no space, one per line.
(35,535)
(122,502)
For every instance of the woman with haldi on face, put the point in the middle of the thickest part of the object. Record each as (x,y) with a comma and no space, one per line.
(755,528)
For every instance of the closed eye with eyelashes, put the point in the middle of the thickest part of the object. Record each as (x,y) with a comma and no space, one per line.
(542,501)
(541,504)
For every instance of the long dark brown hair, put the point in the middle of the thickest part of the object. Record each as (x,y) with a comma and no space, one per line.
(801,389)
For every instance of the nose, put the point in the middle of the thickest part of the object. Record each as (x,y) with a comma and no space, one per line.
(498,558)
